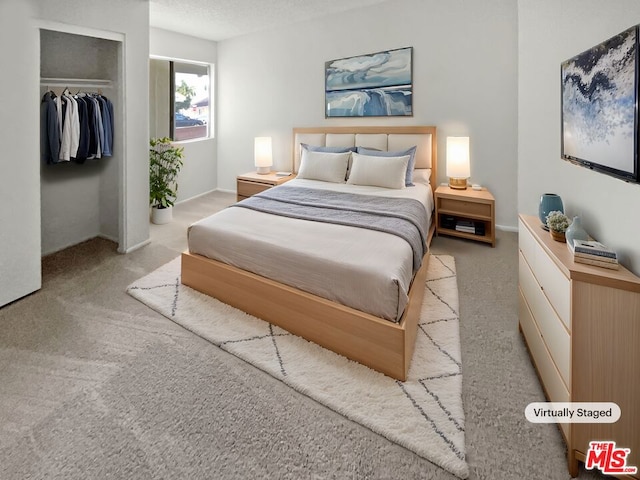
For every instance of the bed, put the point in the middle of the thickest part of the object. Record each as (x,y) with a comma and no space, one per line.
(352,290)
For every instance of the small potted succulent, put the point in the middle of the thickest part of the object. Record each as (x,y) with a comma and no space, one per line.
(165,162)
(558,223)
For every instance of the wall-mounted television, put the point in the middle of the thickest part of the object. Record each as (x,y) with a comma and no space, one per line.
(600,107)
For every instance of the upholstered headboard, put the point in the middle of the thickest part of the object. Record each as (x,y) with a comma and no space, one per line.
(381,138)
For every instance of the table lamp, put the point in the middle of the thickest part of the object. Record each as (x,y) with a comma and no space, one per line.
(262,155)
(458,168)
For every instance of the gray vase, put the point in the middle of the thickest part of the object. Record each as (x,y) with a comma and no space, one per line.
(575,231)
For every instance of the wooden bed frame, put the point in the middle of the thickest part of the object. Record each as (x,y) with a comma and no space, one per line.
(380,344)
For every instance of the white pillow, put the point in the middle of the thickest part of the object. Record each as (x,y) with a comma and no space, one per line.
(387,172)
(421,175)
(324,166)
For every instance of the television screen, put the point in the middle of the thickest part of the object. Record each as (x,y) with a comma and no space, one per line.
(599,107)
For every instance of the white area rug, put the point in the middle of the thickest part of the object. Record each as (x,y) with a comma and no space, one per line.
(423,414)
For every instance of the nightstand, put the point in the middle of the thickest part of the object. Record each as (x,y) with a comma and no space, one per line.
(249,184)
(466,214)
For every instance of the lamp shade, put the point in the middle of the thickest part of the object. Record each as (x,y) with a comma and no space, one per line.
(262,154)
(458,167)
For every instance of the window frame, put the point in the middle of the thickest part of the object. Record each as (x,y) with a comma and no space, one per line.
(171,97)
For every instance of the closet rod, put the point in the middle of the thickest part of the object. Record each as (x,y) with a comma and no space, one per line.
(76,82)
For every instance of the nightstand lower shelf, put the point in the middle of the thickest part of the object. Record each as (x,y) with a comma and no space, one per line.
(469,236)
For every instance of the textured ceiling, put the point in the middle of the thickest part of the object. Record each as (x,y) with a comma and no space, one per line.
(222,19)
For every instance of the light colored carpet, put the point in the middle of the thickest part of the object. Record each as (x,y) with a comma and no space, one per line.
(423,414)
(95,385)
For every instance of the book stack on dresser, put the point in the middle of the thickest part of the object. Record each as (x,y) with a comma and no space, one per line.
(595,253)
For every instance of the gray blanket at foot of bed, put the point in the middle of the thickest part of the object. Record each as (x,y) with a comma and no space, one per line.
(404,217)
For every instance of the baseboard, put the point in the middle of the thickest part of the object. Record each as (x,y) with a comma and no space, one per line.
(135,247)
(108,237)
(196,196)
(69,245)
(507,228)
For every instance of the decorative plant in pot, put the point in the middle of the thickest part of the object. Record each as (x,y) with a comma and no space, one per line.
(558,223)
(165,162)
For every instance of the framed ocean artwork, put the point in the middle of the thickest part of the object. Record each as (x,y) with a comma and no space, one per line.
(600,107)
(374,85)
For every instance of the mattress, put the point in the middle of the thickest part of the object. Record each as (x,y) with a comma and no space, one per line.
(368,270)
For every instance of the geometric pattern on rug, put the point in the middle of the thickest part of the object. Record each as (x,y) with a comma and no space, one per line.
(424,414)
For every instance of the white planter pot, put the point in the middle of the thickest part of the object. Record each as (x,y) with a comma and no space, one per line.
(160,216)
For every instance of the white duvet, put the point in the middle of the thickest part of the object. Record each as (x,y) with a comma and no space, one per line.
(368,270)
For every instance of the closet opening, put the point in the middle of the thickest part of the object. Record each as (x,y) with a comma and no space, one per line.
(81,189)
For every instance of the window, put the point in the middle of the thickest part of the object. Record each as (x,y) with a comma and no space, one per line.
(180,110)
(190,99)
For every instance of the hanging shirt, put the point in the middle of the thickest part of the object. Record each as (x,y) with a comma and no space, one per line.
(49,129)
(96,118)
(106,126)
(100,128)
(83,141)
(74,125)
(65,141)
(93,127)
(112,120)
(58,101)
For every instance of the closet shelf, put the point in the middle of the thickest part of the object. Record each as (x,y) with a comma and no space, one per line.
(76,82)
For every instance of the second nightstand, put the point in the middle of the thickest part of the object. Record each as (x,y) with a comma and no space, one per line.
(251,183)
(466,213)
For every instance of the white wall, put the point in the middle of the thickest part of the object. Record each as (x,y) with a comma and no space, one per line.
(464,65)
(549,33)
(19,134)
(199,173)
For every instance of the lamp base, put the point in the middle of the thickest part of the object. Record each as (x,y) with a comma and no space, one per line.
(458,183)
(263,170)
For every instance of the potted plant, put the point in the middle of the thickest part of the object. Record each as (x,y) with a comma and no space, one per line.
(558,223)
(165,162)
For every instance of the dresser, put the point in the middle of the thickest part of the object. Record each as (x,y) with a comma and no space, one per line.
(581,324)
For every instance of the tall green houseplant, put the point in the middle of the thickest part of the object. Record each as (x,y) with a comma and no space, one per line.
(165,162)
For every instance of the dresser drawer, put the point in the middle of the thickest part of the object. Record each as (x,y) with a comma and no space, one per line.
(246,189)
(527,244)
(549,374)
(551,328)
(555,285)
